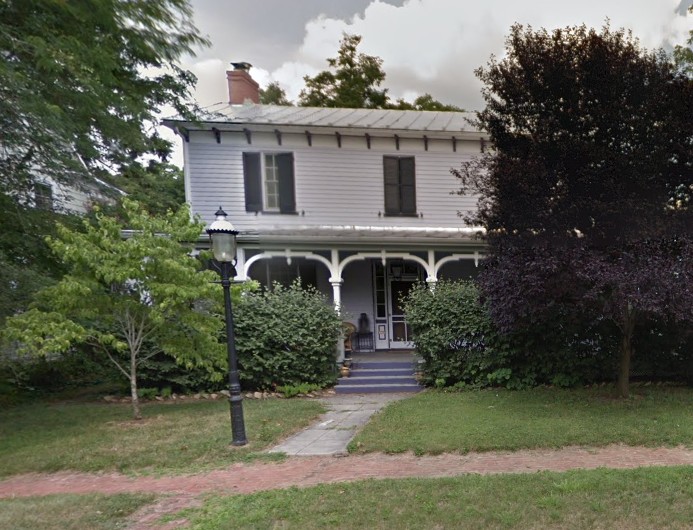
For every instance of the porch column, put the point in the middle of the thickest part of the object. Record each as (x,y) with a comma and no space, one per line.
(431,281)
(240,265)
(337,298)
(431,275)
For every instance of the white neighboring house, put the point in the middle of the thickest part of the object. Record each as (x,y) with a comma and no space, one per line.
(51,195)
(358,202)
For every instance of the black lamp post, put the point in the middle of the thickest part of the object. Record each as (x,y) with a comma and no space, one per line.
(223,237)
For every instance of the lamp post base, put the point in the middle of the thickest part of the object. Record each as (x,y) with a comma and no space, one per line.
(237,422)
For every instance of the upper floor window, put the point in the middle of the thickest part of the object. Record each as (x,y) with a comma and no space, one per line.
(43,196)
(269,182)
(400,185)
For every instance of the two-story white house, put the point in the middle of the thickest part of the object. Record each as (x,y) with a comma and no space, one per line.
(360,203)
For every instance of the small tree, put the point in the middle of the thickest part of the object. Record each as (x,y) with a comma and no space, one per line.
(129,298)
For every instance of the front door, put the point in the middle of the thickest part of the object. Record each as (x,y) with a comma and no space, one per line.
(400,331)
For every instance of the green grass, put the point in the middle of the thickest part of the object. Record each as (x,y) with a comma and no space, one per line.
(488,420)
(172,438)
(598,499)
(70,512)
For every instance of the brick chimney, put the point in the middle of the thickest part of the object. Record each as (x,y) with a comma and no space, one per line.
(242,87)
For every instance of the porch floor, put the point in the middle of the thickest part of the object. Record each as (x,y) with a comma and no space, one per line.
(383,355)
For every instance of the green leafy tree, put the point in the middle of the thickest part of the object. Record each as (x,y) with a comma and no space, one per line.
(158,187)
(129,298)
(586,195)
(274,95)
(354,83)
(683,55)
(26,262)
(81,85)
(426,102)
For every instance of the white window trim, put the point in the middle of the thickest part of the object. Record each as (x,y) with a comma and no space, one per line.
(263,166)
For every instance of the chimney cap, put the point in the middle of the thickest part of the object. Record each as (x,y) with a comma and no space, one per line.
(242,66)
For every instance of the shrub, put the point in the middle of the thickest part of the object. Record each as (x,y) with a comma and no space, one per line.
(286,336)
(290,391)
(162,370)
(453,332)
(147,393)
(461,347)
(77,368)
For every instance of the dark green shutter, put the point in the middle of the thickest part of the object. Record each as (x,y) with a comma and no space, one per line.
(391,172)
(400,185)
(407,182)
(252,179)
(287,195)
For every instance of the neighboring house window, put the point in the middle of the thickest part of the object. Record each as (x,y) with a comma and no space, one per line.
(43,196)
(269,182)
(400,185)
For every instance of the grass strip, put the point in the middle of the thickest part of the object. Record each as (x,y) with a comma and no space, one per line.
(70,512)
(598,499)
(489,420)
(172,437)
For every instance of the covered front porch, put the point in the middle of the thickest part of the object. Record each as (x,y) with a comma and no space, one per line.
(365,285)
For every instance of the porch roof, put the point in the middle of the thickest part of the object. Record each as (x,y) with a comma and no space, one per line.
(365,235)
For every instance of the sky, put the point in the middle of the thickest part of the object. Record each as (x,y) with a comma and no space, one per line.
(427,46)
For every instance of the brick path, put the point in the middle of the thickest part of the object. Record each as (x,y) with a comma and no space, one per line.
(307,471)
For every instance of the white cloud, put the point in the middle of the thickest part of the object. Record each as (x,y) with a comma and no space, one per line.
(426,45)
(435,45)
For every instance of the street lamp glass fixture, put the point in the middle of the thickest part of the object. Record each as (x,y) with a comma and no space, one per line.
(223,236)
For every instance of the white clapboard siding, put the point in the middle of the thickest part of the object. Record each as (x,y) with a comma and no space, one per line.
(334,186)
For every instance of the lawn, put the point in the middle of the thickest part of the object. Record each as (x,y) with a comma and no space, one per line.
(599,499)
(437,422)
(70,512)
(172,437)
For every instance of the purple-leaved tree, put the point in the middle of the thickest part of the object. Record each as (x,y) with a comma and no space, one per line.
(586,196)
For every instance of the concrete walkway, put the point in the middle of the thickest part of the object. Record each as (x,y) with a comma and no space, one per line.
(347,413)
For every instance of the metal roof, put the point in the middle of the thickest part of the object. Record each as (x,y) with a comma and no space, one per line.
(338,118)
(377,235)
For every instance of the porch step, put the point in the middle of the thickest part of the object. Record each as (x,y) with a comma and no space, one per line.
(394,372)
(379,376)
(376,380)
(376,389)
(383,365)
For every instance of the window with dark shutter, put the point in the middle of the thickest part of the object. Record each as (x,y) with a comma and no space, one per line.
(269,182)
(400,185)
(287,197)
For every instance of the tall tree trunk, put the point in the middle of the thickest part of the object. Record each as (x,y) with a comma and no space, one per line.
(136,413)
(626,353)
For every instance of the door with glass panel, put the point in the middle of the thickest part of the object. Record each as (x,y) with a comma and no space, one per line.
(402,275)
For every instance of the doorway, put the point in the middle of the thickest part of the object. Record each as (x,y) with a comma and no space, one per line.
(392,283)
(400,331)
